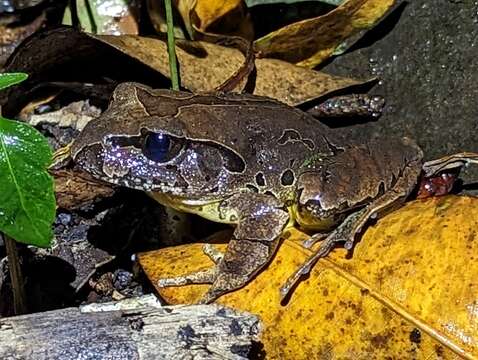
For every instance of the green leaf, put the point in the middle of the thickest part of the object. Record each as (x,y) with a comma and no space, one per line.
(27,200)
(10,79)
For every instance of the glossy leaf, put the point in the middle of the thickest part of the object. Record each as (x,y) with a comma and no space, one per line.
(10,79)
(409,290)
(307,43)
(27,203)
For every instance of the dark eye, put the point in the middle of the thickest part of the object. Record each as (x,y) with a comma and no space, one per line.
(161,147)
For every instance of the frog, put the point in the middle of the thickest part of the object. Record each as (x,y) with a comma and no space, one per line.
(249,161)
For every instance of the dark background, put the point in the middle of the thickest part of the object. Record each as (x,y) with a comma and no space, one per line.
(425,53)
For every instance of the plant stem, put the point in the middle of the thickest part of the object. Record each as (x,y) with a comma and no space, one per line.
(18,288)
(173,69)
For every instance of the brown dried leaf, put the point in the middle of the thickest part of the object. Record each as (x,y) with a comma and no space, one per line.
(11,36)
(307,43)
(204,66)
(73,191)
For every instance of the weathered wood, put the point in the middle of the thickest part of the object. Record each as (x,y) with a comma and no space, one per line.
(139,329)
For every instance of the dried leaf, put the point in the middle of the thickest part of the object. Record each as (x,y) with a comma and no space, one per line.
(204,66)
(410,288)
(307,43)
(11,36)
(74,190)
(229,17)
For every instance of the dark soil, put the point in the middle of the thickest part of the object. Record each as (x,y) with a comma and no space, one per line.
(425,55)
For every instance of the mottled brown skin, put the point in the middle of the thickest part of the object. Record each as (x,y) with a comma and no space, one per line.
(249,161)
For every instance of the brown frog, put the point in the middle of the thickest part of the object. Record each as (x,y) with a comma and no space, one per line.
(248,161)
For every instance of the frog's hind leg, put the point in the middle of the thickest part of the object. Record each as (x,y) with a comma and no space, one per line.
(355,222)
(261,222)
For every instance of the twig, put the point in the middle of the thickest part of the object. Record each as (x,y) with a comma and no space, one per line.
(19,297)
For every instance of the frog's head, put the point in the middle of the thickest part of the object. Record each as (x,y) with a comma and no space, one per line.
(143,146)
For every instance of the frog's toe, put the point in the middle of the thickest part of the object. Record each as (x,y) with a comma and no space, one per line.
(213,254)
(224,283)
(199,277)
(313,239)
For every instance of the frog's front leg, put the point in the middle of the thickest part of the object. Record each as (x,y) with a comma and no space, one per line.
(261,220)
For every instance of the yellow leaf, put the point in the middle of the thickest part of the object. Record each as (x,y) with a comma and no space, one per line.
(307,43)
(410,290)
(226,17)
(223,17)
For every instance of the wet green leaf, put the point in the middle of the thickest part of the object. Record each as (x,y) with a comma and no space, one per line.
(10,79)
(27,202)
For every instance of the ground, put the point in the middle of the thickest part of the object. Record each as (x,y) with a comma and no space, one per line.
(425,55)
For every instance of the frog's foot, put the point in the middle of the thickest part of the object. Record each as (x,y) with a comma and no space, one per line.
(433,167)
(344,232)
(212,253)
(232,271)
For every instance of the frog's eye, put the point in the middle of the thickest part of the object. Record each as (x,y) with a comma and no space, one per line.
(161,147)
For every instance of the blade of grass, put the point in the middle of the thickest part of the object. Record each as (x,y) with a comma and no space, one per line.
(173,69)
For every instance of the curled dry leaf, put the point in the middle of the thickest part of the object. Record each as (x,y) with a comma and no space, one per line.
(410,288)
(307,43)
(227,17)
(203,66)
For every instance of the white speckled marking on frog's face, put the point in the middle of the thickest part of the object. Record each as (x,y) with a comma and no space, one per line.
(194,168)
(216,144)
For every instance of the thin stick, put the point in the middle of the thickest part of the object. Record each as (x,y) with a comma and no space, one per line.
(16,277)
(173,69)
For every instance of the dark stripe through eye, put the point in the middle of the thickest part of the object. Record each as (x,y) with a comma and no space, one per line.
(161,147)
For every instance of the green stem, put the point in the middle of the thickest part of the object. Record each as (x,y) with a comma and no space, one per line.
(173,69)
